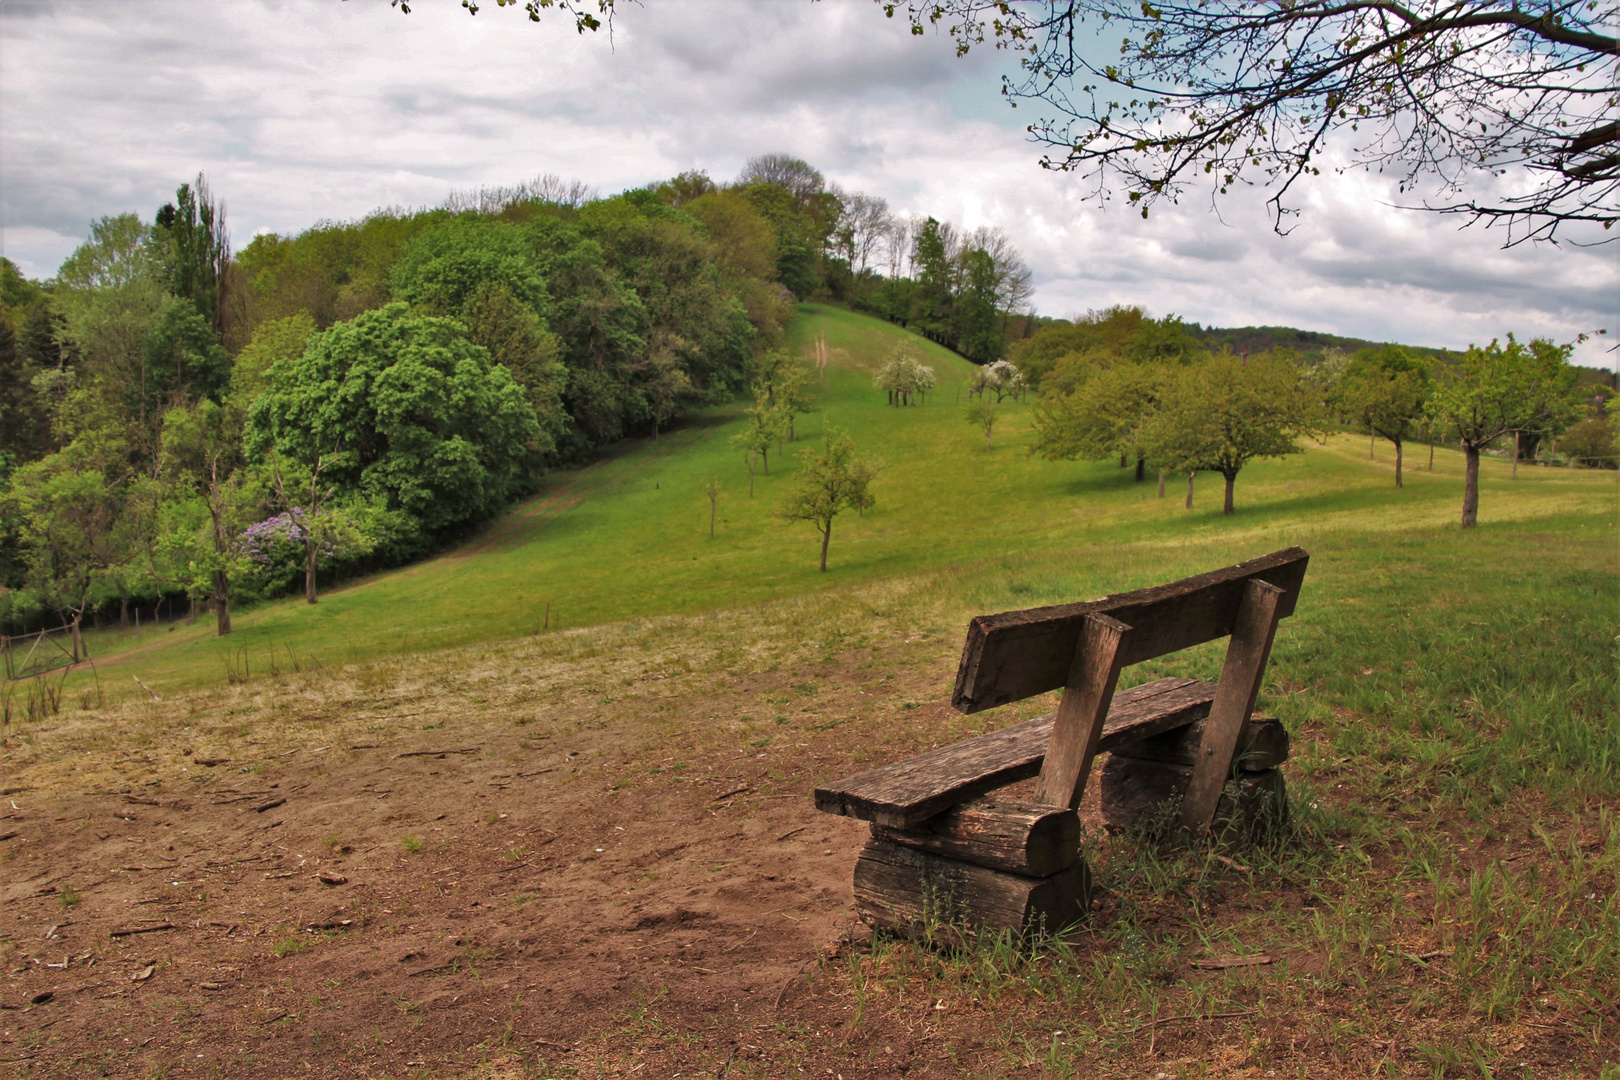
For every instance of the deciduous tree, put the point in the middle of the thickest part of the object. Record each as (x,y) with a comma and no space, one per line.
(1384,391)
(1223,412)
(1494,390)
(404,407)
(830,481)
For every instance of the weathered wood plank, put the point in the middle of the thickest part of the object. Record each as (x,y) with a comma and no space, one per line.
(1263,745)
(906,793)
(1137,792)
(1241,675)
(912,892)
(1018,654)
(1079,721)
(1019,838)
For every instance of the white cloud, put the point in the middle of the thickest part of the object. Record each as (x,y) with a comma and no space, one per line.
(307,109)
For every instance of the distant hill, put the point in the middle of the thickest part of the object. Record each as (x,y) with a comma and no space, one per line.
(1312,345)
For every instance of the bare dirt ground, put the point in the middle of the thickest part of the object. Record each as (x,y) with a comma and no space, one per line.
(587,854)
(382,872)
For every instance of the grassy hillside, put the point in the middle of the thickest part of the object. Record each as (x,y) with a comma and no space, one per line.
(628,536)
(621,810)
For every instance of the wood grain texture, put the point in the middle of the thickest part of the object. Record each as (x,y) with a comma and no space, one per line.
(909,792)
(1241,675)
(1078,725)
(1018,654)
(1019,838)
(1263,745)
(1147,794)
(912,892)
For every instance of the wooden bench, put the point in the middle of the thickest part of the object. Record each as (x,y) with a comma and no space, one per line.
(947,855)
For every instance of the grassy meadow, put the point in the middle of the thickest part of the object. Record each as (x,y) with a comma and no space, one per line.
(628,536)
(1446,904)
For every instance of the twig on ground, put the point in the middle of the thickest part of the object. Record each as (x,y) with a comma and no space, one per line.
(130,931)
(1221,963)
(437,753)
(1191,1016)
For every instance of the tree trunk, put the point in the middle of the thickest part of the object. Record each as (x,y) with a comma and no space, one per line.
(309,567)
(1189,488)
(1372,445)
(826,535)
(1399,454)
(78,639)
(1431,457)
(1231,482)
(765,460)
(1515,455)
(222,601)
(1123,461)
(1470,510)
(1141,468)
(1161,483)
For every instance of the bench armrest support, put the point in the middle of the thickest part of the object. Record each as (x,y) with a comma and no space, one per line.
(1093,673)
(1241,676)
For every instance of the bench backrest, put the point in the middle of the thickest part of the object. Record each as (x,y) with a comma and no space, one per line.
(1018,654)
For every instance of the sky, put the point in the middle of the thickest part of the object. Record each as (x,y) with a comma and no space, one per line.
(306,110)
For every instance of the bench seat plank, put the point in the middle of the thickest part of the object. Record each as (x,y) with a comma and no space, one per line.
(906,793)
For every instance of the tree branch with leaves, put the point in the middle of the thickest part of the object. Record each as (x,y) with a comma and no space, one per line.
(1449,95)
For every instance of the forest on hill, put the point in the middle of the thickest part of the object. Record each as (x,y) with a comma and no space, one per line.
(181,422)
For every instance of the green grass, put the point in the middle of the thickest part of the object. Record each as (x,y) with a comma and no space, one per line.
(627,537)
(1448,903)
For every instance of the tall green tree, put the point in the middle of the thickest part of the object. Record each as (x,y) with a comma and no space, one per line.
(195,247)
(1492,391)
(402,407)
(979,334)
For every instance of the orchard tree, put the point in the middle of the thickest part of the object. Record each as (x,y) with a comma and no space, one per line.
(904,376)
(830,481)
(983,415)
(764,427)
(1224,412)
(1106,415)
(1495,390)
(1385,391)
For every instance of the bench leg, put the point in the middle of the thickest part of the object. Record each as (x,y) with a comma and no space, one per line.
(1093,672)
(1241,675)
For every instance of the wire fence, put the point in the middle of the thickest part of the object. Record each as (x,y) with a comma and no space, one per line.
(42,651)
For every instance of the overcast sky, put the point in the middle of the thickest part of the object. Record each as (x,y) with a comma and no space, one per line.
(303,110)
